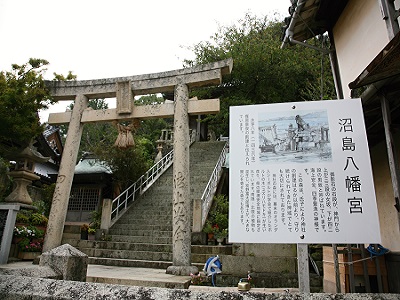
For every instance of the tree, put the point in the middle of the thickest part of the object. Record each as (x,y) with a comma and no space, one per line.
(151,128)
(22,94)
(262,71)
(127,165)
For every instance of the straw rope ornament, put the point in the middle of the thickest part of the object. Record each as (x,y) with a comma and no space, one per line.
(125,137)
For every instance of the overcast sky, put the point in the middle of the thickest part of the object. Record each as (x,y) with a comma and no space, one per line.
(103,39)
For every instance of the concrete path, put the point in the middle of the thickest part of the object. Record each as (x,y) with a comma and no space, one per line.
(136,276)
(122,275)
(146,277)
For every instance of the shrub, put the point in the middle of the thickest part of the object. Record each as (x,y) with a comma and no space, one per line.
(27,245)
(22,217)
(28,232)
(38,219)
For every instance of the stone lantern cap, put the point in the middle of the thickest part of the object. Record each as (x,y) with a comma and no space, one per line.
(27,157)
(31,153)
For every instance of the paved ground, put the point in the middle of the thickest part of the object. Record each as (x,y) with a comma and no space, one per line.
(143,277)
(135,276)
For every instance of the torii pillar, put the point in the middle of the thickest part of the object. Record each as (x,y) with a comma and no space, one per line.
(124,89)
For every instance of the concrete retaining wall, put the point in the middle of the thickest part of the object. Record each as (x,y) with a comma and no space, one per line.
(24,288)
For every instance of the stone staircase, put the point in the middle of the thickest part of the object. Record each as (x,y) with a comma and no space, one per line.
(142,237)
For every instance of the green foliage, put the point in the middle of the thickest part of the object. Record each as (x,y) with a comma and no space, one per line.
(95,220)
(28,232)
(31,238)
(38,219)
(151,128)
(28,245)
(127,165)
(23,217)
(208,227)
(60,77)
(44,204)
(218,218)
(5,180)
(151,99)
(221,204)
(22,94)
(262,71)
(31,218)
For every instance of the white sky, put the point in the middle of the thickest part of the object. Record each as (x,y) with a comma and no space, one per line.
(103,38)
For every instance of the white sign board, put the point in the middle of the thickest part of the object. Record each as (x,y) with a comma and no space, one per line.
(300,172)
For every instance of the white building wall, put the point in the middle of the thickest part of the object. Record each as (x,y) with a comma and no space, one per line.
(388,219)
(360,34)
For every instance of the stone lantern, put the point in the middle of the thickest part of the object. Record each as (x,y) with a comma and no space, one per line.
(23,174)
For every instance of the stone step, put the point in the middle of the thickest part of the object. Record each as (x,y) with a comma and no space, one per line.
(136,276)
(140,211)
(129,263)
(144,219)
(71,236)
(134,232)
(73,242)
(141,239)
(159,201)
(125,246)
(126,254)
(212,250)
(141,214)
(137,225)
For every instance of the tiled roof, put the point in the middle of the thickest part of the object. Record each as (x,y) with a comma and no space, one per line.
(91,166)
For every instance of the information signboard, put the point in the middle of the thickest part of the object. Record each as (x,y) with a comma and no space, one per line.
(300,172)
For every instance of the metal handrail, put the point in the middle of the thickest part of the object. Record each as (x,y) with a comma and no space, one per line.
(121,203)
(126,198)
(209,191)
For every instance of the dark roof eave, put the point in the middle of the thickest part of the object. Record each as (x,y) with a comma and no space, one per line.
(314,17)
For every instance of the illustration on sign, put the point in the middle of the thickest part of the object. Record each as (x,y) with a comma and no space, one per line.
(293,137)
(300,173)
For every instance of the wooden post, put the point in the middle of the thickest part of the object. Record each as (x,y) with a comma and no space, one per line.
(351,268)
(303,268)
(393,161)
(365,269)
(336,266)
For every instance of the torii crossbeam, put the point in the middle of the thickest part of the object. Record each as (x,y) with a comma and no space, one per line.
(124,89)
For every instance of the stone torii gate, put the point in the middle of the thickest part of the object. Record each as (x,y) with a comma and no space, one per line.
(124,89)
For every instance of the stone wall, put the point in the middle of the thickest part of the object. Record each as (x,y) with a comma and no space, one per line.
(24,288)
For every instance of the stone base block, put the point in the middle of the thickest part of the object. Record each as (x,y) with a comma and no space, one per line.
(265,250)
(199,238)
(68,261)
(242,264)
(182,270)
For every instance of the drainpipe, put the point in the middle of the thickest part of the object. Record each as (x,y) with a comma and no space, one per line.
(289,30)
(335,67)
(288,39)
(293,41)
